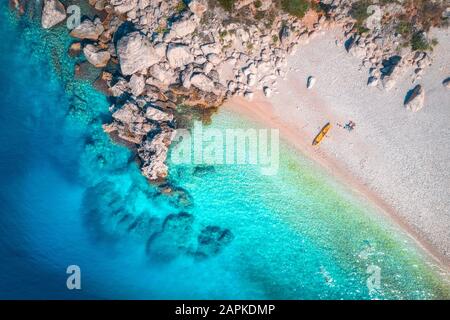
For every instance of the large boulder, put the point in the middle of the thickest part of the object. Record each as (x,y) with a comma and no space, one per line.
(137,84)
(123,6)
(179,55)
(88,30)
(198,7)
(96,57)
(202,82)
(53,13)
(136,53)
(155,114)
(130,123)
(415,99)
(183,27)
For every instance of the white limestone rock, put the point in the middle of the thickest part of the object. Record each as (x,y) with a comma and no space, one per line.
(202,82)
(124,6)
(179,55)
(183,27)
(155,114)
(88,30)
(416,99)
(137,84)
(198,7)
(136,53)
(53,13)
(95,56)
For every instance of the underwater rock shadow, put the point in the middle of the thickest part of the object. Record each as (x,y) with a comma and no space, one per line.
(177,238)
(107,217)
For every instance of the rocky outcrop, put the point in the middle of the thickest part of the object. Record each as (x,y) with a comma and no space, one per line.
(130,123)
(88,30)
(173,239)
(195,54)
(153,154)
(415,99)
(95,56)
(136,53)
(53,13)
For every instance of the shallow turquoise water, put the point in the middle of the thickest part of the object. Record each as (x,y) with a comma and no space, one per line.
(68,195)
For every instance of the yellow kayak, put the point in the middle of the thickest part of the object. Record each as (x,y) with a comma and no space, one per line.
(318,139)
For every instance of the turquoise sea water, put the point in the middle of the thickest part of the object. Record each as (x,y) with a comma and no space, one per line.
(68,195)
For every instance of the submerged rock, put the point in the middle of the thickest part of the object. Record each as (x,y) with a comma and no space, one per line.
(212,240)
(75,49)
(173,239)
(53,13)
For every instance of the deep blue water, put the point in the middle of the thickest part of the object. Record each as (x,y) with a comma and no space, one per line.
(69,195)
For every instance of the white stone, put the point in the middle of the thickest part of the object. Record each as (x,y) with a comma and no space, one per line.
(96,57)
(137,84)
(311,82)
(202,82)
(179,55)
(53,13)
(136,53)
(123,6)
(183,27)
(416,99)
(88,30)
(198,7)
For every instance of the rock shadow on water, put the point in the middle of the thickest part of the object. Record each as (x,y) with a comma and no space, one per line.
(109,218)
(174,239)
(211,241)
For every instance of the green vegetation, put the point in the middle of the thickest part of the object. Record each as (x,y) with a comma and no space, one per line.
(297,8)
(275,39)
(419,42)
(259,15)
(181,6)
(360,13)
(405,28)
(227,4)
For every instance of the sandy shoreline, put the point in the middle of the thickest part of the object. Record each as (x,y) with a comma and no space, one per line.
(388,158)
